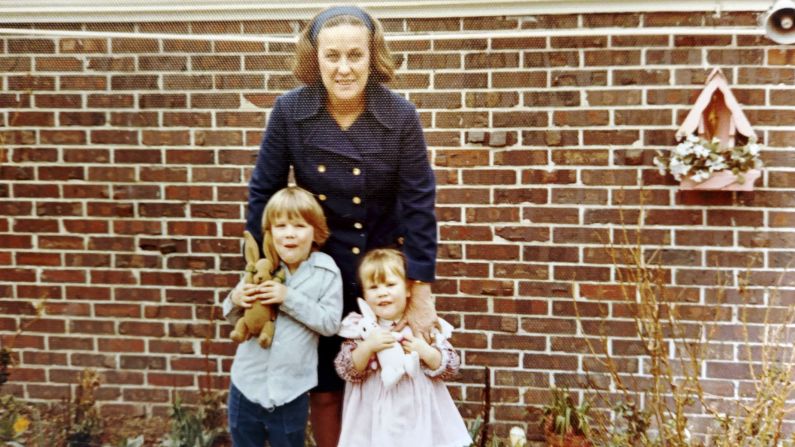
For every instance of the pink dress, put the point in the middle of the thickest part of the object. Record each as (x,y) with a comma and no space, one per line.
(416,412)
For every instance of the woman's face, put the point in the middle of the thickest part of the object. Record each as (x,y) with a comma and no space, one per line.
(343,55)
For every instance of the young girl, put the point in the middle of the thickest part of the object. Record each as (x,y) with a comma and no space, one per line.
(268,396)
(417,411)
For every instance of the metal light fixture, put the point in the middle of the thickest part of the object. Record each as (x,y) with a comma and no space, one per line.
(779,22)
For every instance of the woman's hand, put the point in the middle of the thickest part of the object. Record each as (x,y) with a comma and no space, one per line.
(420,314)
(272,292)
(428,354)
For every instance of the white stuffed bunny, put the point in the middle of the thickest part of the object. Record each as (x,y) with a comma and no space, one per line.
(394,361)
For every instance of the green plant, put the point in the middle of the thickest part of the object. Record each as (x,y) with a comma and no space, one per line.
(84,423)
(474,427)
(14,421)
(188,427)
(564,417)
(138,441)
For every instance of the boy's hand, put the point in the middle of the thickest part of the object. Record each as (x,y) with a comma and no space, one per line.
(378,340)
(272,292)
(245,297)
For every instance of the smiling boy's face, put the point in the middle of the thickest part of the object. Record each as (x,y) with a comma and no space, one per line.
(292,238)
(387,298)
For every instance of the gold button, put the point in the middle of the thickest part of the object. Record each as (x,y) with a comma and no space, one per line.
(321,168)
(357,200)
(322,197)
(358,225)
(357,171)
(356,250)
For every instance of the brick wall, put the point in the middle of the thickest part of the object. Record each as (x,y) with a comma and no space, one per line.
(125,161)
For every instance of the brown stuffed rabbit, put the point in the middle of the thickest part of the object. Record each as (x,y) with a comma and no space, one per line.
(258,320)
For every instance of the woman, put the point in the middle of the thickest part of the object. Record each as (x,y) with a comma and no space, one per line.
(360,149)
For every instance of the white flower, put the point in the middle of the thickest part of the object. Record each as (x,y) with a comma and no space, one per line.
(661,167)
(753,149)
(701,151)
(717,165)
(518,437)
(678,168)
(683,150)
(700,176)
(693,138)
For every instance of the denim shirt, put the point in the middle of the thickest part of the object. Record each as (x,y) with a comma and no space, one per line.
(313,305)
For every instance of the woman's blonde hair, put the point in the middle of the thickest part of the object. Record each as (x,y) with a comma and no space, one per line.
(293,202)
(306,69)
(376,264)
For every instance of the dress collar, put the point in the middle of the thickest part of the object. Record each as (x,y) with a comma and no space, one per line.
(312,97)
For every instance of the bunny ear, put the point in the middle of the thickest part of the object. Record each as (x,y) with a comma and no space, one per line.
(367,313)
(250,251)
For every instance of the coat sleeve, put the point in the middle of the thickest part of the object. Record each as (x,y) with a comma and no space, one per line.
(271,169)
(417,198)
(321,315)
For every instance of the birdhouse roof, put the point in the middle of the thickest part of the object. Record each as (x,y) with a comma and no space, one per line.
(715,81)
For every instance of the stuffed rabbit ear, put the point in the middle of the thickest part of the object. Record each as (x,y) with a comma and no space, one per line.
(250,250)
(367,313)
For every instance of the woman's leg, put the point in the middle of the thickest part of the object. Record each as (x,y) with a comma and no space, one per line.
(326,417)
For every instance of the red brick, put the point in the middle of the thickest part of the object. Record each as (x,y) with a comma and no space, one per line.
(111,64)
(60,64)
(62,137)
(26,46)
(460,80)
(37,119)
(492,252)
(120,345)
(114,137)
(491,358)
(538,196)
(579,42)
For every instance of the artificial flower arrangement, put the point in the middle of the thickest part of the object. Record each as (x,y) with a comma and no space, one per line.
(695,160)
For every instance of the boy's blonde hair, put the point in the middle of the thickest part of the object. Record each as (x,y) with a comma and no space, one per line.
(293,202)
(376,264)
(306,69)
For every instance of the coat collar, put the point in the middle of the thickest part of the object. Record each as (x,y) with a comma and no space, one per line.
(377,99)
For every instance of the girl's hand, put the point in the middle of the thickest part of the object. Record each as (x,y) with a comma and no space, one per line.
(244,297)
(272,292)
(428,354)
(411,344)
(378,340)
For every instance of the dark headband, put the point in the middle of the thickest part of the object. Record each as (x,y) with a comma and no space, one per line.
(337,11)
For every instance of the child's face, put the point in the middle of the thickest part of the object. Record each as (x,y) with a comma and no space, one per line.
(292,239)
(388,298)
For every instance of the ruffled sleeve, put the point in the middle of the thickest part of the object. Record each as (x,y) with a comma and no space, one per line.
(451,362)
(344,364)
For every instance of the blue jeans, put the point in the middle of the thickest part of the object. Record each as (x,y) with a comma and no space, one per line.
(252,424)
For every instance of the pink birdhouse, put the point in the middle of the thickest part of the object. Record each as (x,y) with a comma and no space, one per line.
(717,113)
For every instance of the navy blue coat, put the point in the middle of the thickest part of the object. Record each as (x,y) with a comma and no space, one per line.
(373,180)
